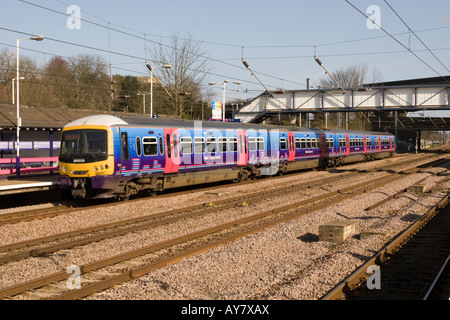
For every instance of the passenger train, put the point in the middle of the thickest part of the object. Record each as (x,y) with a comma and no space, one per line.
(105,156)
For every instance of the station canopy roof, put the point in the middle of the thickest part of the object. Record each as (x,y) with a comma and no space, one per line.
(48,118)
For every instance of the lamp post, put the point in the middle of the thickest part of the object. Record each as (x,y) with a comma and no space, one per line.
(165,66)
(19,120)
(142,94)
(13,95)
(224,88)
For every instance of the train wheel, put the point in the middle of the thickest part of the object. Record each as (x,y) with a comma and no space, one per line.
(323,164)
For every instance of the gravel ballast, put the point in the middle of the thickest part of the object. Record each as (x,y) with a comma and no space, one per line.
(283,262)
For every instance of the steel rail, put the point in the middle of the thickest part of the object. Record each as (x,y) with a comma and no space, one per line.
(342,195)
(360,275)
(110,230)
(436,279)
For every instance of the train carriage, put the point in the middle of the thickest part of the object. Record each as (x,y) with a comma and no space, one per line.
(105,156)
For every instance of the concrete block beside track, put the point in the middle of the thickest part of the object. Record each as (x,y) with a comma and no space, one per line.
(336,231)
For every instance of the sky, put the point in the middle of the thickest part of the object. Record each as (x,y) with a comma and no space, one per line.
(278,39)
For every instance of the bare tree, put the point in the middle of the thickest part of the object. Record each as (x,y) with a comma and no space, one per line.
(91,83)
(189,69)
(351,77)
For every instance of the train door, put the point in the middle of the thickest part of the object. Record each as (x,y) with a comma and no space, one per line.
(125,159)
(172,150)
(347,145)
(291,155)
(379,143)
(365,145)
(323,145)
(242,148)
(390,143)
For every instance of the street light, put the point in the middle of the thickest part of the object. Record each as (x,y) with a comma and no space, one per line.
(13,94)
(165,66)
(224,87)
(19,121)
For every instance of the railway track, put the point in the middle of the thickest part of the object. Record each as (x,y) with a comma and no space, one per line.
(409,266)
(66,240)
(103,274)
(61,209)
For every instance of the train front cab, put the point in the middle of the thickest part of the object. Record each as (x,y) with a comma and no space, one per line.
(86,153)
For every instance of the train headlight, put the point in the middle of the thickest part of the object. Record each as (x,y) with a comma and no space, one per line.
(63,169)
(95,169)
(102,167)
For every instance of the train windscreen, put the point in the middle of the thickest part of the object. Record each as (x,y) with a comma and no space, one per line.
(83,146)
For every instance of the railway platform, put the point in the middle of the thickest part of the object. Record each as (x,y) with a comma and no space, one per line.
(28,183)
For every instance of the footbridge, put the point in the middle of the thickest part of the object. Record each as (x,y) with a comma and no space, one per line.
(418,107)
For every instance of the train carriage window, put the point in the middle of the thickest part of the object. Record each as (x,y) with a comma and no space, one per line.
(260,142)
(252,144)
(308,143)
(330,143)
(303,141)
(233,144)
(168,146)
(283,145)
(223,144)
(297,143)
(240,145)
(150,146)
(186,145)
(199,145)
(138,146)
(161,146)
(211,144)
(175,145)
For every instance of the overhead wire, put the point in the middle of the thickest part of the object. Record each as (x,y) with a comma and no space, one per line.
(396,40)
(416,36)
(215,60)
(145,39)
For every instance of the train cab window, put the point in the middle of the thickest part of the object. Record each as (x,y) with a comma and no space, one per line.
(233,144)
(186,145)
(297,143)
(199,145)
(138,146)
(303,141)
(252,144)
(223,144)
(283,145)
(150,146)
(161,146)
(211,144)
(260,142)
